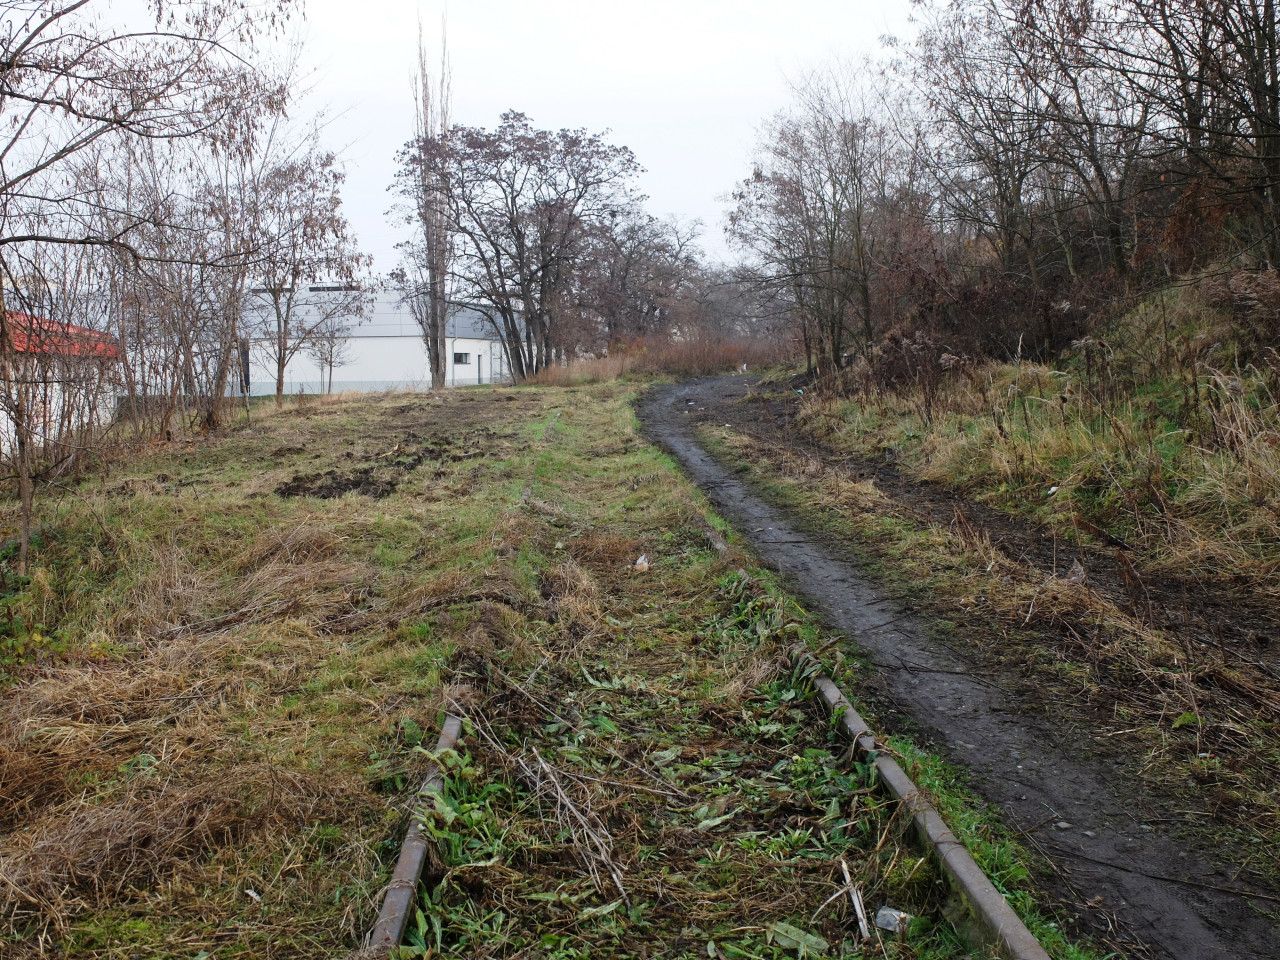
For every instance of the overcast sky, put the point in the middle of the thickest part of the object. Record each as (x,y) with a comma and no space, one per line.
(684,83)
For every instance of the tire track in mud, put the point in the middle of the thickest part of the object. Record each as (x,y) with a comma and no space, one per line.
(1076,811)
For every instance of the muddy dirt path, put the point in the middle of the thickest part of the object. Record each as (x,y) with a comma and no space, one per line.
(1111,866)
(1235,620)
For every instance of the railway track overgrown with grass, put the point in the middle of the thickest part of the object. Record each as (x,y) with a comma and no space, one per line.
(231,657)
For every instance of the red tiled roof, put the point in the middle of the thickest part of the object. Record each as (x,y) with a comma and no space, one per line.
(31,334)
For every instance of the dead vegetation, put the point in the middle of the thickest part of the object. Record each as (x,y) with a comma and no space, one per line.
(641,766)
(697,357)
(212,676)
(83,856)
(1159,437)
(1201,719)
(121,770)
(221,763)
(621,792)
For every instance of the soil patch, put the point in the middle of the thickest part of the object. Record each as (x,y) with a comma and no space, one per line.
(383,472)
(334,483)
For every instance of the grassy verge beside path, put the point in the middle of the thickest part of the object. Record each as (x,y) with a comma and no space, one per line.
(229,657)
(1205,735)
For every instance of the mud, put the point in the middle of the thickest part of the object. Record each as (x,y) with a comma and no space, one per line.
(1128,881)
(381,473)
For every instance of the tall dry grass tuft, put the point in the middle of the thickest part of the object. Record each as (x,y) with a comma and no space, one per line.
(588,370)
(1186,473)
(86,854)
(574,599)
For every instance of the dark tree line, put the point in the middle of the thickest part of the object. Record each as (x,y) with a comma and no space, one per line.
(1019,169)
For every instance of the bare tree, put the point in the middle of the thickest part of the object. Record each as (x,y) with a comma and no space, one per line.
(83,89)
(1209,70)
(636,279)
(56,373)
(808,214)
(523,204)
(71,79)
(423,276)
(330,346)
(990,133)
(304,257)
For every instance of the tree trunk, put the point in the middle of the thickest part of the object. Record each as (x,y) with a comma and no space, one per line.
(436,342)
(218,392)
(26,491)
(26,485)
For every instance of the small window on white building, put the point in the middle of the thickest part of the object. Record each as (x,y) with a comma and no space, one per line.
(461,358)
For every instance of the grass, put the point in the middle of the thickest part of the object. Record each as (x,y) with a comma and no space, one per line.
(204,744)
(1184,722)
(727,841)
(1159,436)
(230,657)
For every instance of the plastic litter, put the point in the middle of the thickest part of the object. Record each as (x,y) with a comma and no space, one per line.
(1077,573)
(893,920)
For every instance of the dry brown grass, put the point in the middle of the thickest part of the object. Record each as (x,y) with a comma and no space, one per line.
(86,854)
(87,716)
(1192,714)
(1199,500)
(574,599)
(300,573)
(226,718)
(116,771)
(695,357)
(588,370)
(606,552)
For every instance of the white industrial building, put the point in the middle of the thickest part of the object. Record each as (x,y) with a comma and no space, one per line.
(384,351)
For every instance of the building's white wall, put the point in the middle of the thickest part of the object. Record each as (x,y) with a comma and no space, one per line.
(375,363)
(486,362)
(382,363)
(93,403)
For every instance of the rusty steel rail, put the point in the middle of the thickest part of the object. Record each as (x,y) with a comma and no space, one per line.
(402,891)
(996,923)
